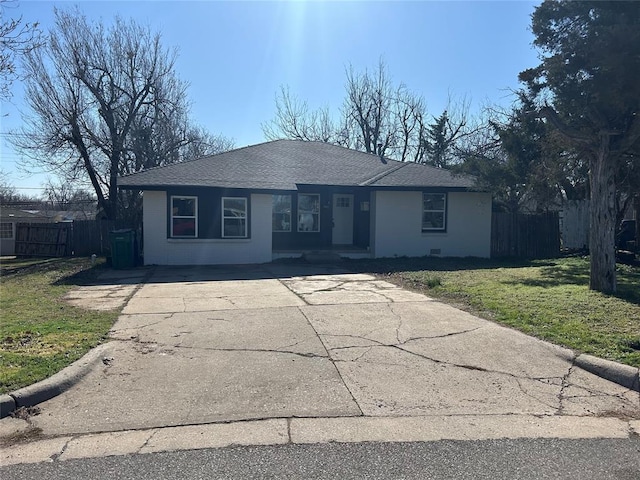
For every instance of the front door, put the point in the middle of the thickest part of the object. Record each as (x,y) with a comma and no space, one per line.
(342,219)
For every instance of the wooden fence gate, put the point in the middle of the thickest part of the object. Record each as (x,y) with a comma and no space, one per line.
(525,236)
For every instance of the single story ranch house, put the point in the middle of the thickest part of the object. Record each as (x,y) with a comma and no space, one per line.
(288,197)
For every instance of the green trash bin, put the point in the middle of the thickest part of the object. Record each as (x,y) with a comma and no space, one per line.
(123,248)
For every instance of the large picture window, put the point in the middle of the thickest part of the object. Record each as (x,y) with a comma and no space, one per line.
(184,217)
(308,212)
(234,217)
(6,230)
(434,212)
(281,213)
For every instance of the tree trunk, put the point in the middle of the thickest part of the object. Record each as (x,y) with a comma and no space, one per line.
(602,219)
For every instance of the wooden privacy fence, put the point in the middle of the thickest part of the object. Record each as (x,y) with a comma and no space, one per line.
(525,236)
(574,224)
(43,239)
(79,238)
(91,236)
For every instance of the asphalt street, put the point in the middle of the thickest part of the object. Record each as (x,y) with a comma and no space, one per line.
(600,459)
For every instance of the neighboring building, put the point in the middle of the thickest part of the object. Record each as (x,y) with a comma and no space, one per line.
(9,218)
(288,197)
(68,216)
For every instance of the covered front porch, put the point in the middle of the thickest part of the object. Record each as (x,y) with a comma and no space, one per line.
(321,219)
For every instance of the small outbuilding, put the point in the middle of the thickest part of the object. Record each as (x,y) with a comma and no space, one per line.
(286,198)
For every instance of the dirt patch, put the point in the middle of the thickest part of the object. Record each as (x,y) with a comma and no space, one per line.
(17,428)
(23,341)
(29,434)
(24,413)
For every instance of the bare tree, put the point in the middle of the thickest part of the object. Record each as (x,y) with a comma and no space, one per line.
(7,190)
(376,116)
(62,195)
(294,120)
(59,195)
(201,142)
(104,101)
(10,196)
(16,39)
(410,112)
(368,109)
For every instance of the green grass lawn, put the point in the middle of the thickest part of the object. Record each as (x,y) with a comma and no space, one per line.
(548,299)
(40,333)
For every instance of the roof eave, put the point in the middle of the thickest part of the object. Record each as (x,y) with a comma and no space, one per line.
(448,188)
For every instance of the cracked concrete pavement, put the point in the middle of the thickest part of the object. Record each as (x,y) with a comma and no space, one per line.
(328,353)
(111,291)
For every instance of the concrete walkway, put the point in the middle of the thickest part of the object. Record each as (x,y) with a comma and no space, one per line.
(296,353)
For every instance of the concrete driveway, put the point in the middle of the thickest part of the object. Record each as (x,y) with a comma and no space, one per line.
(198,345)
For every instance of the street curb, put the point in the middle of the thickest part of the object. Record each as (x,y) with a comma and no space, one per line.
(54,385)
(7,405)
(64,379)
(624,375)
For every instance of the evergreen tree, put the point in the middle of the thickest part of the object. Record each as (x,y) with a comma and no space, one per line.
(587,88)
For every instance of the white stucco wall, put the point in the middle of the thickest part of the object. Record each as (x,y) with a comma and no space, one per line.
(397,226)
(160,250)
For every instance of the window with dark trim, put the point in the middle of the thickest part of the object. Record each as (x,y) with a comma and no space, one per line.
(184,217)
(281,213)
(234,217)
(434,212)
(308,212)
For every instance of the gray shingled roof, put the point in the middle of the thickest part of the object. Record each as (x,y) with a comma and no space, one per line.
(20,214)
(284,164)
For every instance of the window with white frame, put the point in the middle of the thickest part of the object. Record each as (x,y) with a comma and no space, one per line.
(184,217)
(281,213)
(308,212)
(234,217)
(6,230)
(434,212)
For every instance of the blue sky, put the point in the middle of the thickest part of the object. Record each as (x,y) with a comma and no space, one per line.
(236,55)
